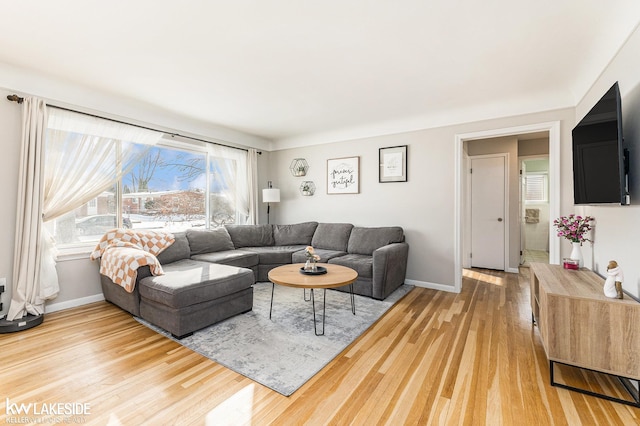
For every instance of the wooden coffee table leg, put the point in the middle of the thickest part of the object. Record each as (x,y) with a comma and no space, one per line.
(324,304)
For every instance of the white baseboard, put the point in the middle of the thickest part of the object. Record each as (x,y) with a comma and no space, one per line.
(73,303)
(512,270)
(432,286)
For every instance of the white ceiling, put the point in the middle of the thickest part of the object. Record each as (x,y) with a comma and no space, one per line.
(301,71)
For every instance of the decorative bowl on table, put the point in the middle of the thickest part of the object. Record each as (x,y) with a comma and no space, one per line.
(319,271)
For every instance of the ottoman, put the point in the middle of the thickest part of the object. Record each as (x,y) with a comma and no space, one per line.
(194,294)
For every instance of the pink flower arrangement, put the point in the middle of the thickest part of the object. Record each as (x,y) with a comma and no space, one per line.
(311,255)
(573,227)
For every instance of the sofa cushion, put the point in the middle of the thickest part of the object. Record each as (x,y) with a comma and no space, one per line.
(275,255)
(325,255)
(209,241)
(367,240)
(240,258)
(332,236)
(361,263)
(251,235)
(188,282)
(180,322)
(299,233)
(177,251)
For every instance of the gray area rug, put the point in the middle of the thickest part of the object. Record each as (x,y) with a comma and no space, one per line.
(284,353)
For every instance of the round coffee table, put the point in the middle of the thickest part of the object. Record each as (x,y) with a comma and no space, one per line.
(336,276)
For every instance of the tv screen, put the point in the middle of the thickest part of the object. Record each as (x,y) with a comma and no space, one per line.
(599,173)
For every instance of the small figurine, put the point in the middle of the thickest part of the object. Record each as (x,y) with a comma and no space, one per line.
(613,283)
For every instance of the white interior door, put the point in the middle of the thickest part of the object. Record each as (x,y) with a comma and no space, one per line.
(488,175)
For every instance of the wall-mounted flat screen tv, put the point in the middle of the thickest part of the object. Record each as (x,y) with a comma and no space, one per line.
(599,158)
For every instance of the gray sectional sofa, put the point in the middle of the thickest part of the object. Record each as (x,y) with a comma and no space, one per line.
(209,273)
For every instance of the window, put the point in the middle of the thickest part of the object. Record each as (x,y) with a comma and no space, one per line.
(537,185)
(166,190)
(171,186)
(223,198)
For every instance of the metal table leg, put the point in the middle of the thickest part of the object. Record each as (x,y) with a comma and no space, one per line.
(313,303)
(353,299)
(273,286)
(324,304)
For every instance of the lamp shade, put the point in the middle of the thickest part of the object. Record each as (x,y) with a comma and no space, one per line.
(271,195)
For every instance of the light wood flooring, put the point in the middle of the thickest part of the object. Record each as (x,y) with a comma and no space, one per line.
(472,358)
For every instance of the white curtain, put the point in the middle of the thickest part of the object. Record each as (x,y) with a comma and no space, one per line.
(82,157)
(85,156)
(26,296)
(252,188)
(231,180)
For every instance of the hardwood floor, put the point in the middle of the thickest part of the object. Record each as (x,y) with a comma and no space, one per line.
(436,358)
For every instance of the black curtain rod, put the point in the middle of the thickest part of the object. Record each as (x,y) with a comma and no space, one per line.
(18,99)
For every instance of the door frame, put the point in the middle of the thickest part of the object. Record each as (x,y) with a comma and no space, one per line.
(505,207)
(460,159)
(522,185)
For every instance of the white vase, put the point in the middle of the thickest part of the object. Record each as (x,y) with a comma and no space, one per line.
(576,254)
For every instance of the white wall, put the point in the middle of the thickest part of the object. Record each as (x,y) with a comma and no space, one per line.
(423,206)
(9,133)
(617,233)
(537,234)
(66,94)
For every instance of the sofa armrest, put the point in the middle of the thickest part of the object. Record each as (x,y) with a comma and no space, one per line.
(389,268)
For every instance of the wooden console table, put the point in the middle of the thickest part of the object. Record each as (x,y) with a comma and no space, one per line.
(581,327)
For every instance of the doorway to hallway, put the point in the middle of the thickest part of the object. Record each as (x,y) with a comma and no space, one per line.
(534,209)
(462,222)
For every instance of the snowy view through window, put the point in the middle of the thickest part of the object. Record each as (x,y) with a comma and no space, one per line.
(166,190)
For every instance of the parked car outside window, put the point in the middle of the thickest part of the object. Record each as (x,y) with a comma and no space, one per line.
(99,224)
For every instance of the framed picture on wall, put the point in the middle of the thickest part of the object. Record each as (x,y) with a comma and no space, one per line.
(343,175)
(393,164)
